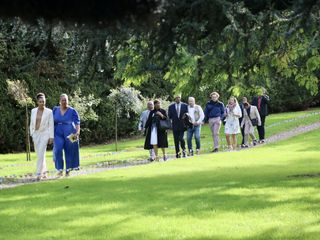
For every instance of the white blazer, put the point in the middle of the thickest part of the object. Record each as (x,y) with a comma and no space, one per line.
(46,124)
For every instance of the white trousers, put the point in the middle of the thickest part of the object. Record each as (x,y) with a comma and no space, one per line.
(40,140)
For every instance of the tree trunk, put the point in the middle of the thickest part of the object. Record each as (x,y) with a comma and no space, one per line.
(116,126)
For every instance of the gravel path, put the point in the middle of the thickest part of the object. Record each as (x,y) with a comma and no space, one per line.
(14,181)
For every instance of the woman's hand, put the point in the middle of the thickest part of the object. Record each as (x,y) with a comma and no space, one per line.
(50,141)
(160,114)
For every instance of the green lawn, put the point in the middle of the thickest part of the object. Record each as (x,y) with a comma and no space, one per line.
(231,195)
(132,149)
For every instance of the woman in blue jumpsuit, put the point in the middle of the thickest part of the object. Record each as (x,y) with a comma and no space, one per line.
(66,122)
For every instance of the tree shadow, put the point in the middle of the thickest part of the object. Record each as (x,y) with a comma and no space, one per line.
(198,194)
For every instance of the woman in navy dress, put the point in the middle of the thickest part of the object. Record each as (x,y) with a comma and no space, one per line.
(66,123)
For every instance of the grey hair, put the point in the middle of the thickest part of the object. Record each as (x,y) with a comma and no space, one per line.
(192,98)
(64,95)
(150,102)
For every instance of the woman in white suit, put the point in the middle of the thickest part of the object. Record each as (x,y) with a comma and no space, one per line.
(251,118)
(42,133)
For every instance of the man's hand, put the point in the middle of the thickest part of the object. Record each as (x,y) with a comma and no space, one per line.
(50,141)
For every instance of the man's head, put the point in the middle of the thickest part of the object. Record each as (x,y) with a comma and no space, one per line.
(150,105)
(214,96)
(177,98)
(191,101)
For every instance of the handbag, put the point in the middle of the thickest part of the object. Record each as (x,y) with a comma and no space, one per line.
(254,121)
(187,121)
(165,124)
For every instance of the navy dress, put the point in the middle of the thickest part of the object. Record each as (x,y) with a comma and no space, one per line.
(64,125)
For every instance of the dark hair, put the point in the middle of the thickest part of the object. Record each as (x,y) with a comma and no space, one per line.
(40,95)
(156,101)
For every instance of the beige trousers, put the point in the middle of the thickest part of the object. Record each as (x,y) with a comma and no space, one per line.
(215,124)
(40,140)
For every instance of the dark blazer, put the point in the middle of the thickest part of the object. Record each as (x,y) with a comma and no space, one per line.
(264,104)
(177,122)
(162,134)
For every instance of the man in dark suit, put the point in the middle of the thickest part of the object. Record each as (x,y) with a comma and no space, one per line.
(261,102)
(244,99)
(176,112)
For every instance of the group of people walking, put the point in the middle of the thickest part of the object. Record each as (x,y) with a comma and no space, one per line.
(181,117)
(60,126)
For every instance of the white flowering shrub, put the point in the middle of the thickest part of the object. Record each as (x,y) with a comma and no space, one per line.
(126,99)
(84,105)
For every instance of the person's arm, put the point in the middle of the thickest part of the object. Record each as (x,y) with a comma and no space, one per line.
(237,112)
(148,122)
(76,120)
(222,111)
(31,123)
(201,115)
(51,127)
(169,112)
(258,116)
(162,113)
(140,127)
(206,113)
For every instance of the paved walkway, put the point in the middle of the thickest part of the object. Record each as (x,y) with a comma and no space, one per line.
(9,182)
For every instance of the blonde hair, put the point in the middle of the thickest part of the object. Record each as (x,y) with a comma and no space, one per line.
(234,99)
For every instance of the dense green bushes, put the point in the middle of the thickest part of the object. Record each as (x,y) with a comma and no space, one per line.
(193,49)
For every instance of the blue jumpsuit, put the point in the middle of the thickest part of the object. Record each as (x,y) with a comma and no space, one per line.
(63,127)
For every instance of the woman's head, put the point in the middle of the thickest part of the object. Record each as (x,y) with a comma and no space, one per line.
(41,100)
(214,96)
(232,101)
(157,104)
(64,101)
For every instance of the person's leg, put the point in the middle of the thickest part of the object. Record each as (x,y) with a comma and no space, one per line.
(246,138)
(40,144)
(234,141)
(197,131)
(165,158)
(189,139)
(211,125)
(228,141)
(182,143)
(242,134)
(216,128)
(261,128)
(71,151)
(176,142)
(58,154)
(253,137)
(151,154)
(263,119)
(155,149)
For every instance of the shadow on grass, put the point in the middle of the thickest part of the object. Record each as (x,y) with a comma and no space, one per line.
(199,195)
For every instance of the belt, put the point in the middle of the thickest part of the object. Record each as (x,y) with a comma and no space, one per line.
(62,123)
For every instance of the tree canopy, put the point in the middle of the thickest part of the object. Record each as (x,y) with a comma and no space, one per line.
(159,48)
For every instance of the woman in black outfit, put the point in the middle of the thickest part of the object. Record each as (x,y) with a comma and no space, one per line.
(155,137)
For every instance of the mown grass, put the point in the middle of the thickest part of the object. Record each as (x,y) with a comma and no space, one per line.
(247,195)
(15,164)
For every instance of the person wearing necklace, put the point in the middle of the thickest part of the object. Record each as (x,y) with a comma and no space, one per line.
(42,133)
(66,137)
